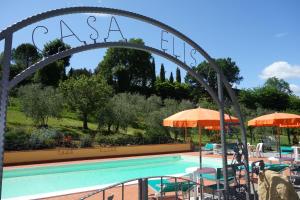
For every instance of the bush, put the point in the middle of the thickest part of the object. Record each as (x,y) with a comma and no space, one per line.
(86,141)
(16,139)
(119,140)
(43,139)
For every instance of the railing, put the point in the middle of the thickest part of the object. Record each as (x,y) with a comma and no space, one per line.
(165,187)
(138,189)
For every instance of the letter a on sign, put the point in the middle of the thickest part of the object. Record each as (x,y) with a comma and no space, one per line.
(65,36)
(114,30)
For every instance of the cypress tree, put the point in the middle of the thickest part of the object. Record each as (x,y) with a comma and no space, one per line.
(178,75)
(171,79)
(153,78)
(162,73)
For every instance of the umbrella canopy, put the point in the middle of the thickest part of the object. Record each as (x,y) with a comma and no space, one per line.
(276,119)
(279,120)
(198,117)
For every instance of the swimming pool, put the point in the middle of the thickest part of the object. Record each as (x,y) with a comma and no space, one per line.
(45,181)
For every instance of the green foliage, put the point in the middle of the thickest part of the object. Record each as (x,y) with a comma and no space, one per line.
(40,103)
(43,139)
(171,79)
(229,68)
(85,95)
(86,141)
(153,76)
(16,139)
(23,56)
(178,75)
(127,70)
(153,120)
(21,139)
(279,84)
(78,72)
(54,72)
(162,74)
(173,90)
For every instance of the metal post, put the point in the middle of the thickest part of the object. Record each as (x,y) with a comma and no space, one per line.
(4,98)
(145,189)
(223,136)
(140,189)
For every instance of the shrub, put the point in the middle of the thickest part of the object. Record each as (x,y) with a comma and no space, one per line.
(16,139)
(119,140)
(86,141)
(43,139)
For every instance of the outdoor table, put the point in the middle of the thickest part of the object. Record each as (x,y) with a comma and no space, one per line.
(196,170)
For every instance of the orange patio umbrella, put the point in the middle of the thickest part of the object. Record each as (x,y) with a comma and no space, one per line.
(279,120)
(198,117)
(276,119)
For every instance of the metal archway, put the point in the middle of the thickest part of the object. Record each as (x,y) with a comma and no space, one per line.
(7,35)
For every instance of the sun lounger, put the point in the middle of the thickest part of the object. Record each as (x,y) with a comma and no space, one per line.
(208,148)
(161,187)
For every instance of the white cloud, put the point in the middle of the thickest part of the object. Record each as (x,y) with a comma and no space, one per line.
(279,35)
(295,88)
(281,69)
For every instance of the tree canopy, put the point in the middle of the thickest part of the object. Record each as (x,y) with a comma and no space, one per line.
(229,68)
(85,95)
(56,71)
(127,70)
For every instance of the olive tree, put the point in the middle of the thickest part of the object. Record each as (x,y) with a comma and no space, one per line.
(85,95)
(40,103)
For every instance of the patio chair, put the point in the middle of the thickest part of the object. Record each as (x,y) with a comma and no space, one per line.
(259,150)
(161,187)
(218,177)
(286,150)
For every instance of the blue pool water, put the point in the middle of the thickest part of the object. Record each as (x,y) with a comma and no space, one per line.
(41,180)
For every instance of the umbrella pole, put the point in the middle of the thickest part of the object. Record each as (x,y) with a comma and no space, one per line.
(200,150)
(185,133)
(278,133)
(200,161)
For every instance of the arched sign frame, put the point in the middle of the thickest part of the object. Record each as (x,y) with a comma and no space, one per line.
(6,84)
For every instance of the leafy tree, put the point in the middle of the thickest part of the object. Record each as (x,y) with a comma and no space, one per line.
(56,71)
(85,95)
(25,55)
(127,70)
(79,72)
(248,97)
(178,75)
(280,84)
(229,68)
(162,75)
(174,90)
(40,103)
(294,103)
(171,79)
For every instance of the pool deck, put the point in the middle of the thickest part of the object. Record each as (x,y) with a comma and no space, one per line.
(130,190)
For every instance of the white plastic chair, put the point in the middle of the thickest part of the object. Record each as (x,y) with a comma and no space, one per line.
(259,150)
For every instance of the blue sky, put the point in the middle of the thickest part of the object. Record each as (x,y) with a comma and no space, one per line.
(262,37)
